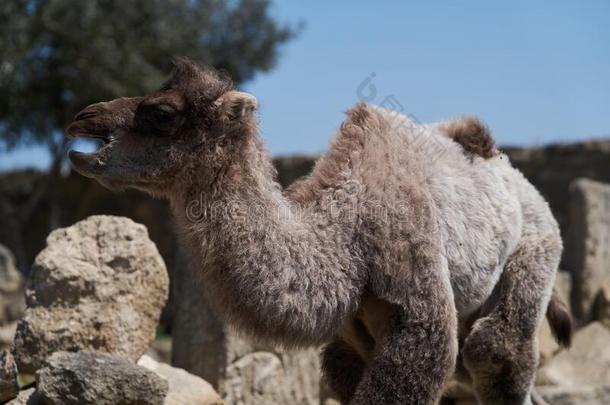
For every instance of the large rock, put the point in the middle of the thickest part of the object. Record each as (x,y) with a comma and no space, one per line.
(12,300)
(588,243)
(265,378)
(10,278)
(241,371)
(161,349)
(546,342)
(98,285)
(587,363)
(98,378)
(7,335)
(27,397)
(184,388)
(583,395)
(9,384)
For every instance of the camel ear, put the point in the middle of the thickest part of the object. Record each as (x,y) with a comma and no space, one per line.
(237,107)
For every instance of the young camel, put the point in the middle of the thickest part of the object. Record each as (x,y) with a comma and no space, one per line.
(405,241)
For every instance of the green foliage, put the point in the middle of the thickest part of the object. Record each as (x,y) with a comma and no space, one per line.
(57,56)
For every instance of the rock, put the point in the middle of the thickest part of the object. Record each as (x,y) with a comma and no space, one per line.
(10,278)
(206,347)
(601,308)
(586,363)
(268,376)
(9,384)
(162,349)
(27,397)
(12,300)
(588,243)
(546,342)
(98,285)
(272,377)
(184,388)
(547,345)
(97,378)
(582,395)
(256,378)
(563,285)
(7,335)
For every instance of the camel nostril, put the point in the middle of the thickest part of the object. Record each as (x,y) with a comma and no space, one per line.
(83,115)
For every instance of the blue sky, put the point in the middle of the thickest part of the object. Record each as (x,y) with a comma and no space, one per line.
(535,71)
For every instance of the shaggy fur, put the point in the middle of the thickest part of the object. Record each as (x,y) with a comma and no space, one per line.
(402,242)
(473,135)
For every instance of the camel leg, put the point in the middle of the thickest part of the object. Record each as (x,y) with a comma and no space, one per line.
(501,351)
(411,366)
(342,368)
(417,355)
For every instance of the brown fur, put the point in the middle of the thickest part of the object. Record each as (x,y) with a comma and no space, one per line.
(474,137)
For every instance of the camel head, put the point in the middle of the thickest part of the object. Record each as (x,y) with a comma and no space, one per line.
(154,142)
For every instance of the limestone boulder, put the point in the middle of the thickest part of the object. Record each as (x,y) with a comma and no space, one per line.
(7,335)
(27,397)
(587,249)
(184,388)
(255,378)
(272,377)
(12,300)
(243,372)
(98,285)
(563,285)
(9,384)
(98,378)
(583,395)
(587,363)
(546,342)
(161,350)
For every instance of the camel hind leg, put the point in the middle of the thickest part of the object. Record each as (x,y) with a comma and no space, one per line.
(501,351)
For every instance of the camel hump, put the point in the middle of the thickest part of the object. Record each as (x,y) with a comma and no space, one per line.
(473,135)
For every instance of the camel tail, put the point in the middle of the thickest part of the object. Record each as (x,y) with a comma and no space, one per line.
(560,320)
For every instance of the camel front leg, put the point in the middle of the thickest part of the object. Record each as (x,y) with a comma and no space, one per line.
(415,359)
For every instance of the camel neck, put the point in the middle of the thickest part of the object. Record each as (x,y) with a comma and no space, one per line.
(250,245)
(244,184)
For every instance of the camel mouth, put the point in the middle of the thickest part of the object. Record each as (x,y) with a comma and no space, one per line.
(106,138)
(75,130)
(89,163)
(86,164)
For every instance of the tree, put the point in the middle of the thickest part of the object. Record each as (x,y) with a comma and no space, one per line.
(57,56)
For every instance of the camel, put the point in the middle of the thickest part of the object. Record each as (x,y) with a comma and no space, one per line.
(411,252)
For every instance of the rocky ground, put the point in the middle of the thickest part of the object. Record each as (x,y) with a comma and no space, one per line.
(93,303)
(86,331)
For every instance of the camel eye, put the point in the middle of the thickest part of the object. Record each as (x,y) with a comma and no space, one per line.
(156,119)
(163,114)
